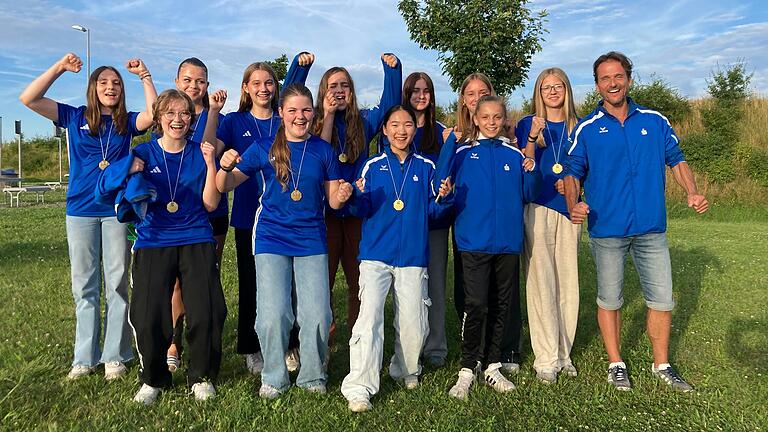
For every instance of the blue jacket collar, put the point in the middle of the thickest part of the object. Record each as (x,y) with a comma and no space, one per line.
(391,155)
(631,107)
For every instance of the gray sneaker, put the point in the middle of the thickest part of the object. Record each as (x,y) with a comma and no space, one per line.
(672,378)
(618,376)
(547,377)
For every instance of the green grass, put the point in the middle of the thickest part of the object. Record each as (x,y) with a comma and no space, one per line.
(719,343)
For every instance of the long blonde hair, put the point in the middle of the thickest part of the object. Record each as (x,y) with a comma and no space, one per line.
(245,99)
(354,141)
(463,116)
(280,153)
(540,110)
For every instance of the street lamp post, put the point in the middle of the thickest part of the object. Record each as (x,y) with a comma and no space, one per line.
(87,32)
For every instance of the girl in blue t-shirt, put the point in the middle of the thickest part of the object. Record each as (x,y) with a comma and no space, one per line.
(350,130)
(256,118)
(98,134)
(192,79)
(300,173)
(551,240)
(175,241)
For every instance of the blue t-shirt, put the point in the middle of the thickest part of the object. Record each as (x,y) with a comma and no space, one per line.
(238,131)
(85,153)
(283,226)
(556,139)
(189,225)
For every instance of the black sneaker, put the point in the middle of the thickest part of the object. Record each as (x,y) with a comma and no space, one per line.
(672,378)
(618,376)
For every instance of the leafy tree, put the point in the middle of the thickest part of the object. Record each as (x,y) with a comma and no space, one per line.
(280,65)
(730,84)
(496,37)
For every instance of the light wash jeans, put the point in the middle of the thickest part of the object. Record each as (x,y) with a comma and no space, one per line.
(95,242)
(366,345)
(275,317)
(650,254)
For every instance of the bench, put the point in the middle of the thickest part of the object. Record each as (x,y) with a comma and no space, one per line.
(15,192)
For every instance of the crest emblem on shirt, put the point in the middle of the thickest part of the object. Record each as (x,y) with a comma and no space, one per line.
(384,167)
(643,131)
(603,129)
(474,156)
(506,167)
(247,134)
(415,178)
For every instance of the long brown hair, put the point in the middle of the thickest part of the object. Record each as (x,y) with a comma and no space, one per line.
(463,117)
(194,61)
(474,130)
(540,110)
(429,142)
(245,99)
(93,105)
(354,141)
(280,153)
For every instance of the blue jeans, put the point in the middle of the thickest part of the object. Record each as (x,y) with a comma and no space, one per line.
(650,254)
(95,242)
(275,316)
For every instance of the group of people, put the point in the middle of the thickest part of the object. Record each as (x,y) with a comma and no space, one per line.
(309,194)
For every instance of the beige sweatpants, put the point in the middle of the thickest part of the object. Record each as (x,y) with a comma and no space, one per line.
(552,285)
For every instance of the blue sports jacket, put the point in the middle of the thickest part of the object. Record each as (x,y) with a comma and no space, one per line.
(398,238)
(491,190)
(623,169)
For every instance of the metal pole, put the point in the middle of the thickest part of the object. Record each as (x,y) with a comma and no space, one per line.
(88,50)
(19,160)
(1,146)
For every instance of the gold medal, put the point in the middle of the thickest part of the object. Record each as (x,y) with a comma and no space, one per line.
(343,158)
(399,205)
(557,168)
(172,207)
(103,164)
(296,195)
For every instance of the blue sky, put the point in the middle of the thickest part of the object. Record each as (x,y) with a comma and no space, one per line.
(681,41)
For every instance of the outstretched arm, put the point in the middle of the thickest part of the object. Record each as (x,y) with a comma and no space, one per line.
(137,67)
(33,97)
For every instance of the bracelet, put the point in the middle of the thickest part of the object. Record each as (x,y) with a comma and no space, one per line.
(227,170)
(146,75)
(532,139)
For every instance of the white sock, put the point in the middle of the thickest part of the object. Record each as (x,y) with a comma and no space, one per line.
(661,367)
(614,364)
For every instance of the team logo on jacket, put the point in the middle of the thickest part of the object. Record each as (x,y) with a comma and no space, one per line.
(156,170)
(415,178)
(247,133)
(643,131)
(603,129)
(506,167)
(384,167)
(474,156)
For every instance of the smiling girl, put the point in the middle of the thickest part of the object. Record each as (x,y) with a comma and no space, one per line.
(98,134)
(175,241)
(300,173)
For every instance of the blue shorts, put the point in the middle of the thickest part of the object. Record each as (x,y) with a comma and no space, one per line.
(650,254)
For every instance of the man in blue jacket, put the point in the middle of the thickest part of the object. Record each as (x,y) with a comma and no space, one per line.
(619,152)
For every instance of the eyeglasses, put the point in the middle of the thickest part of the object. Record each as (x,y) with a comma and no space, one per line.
(170,115)
(558,88)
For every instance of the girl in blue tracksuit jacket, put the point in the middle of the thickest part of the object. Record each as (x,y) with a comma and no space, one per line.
(349,130)
(395,199)
(491,187)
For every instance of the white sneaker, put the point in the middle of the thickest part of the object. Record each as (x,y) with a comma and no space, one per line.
(268,392)
(359,405)
(203,390)
(147,394)
(79,371)
(411,382)
(292,360)
(114,370)
(570,370)
(511,367)
(496,380)
(461,389)
(254,363)
(318,388)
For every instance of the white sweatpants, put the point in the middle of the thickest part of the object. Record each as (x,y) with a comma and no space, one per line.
(366,345)
(552,285)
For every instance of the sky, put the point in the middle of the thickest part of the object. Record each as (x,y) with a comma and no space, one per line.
(679,41)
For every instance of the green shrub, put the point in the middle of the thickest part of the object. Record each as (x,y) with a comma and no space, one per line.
(754,162)
(730,84)
(710,153)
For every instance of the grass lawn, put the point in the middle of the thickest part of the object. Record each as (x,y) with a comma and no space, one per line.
(719,343)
